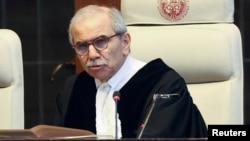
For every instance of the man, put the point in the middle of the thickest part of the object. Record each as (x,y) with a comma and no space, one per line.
(154,100)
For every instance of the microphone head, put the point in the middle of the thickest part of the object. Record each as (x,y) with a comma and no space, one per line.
(116,96)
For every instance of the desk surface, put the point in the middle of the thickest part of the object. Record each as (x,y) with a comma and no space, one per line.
(47,132)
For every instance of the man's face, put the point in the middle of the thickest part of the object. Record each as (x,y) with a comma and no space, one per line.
(108,61)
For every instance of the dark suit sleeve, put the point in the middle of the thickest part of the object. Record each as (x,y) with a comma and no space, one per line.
(62,100)
(173,113)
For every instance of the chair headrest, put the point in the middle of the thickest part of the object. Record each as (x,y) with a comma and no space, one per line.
(210,53)
(6,76)
(177,11)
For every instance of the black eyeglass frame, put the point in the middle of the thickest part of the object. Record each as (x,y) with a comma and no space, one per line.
(94,43)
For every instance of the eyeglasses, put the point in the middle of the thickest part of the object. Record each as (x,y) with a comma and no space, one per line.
(99,43)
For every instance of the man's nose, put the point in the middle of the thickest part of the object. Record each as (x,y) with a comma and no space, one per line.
(92,51)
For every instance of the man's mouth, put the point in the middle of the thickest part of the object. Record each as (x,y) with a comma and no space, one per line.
(95,67)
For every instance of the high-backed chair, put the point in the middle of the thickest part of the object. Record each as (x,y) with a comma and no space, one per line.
(11,81)
(200,41)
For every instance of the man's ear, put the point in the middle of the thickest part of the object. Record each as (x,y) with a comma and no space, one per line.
(126,40)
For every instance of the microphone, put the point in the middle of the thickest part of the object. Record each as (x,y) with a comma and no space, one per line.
(116,97)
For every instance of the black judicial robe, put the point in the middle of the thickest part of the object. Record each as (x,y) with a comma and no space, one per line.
(173,117)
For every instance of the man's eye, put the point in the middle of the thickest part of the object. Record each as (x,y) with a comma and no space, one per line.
(100,41)
(81,45)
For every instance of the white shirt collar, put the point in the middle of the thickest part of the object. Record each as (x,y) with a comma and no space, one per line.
(128,69)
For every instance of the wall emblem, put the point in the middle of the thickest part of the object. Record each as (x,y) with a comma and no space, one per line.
(173,10)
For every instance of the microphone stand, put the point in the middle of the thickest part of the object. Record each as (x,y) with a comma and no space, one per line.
(116,132)
(116,97)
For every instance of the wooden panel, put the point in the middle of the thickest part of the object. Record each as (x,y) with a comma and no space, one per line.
(81,3)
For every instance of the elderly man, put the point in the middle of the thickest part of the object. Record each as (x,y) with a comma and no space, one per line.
(154,100)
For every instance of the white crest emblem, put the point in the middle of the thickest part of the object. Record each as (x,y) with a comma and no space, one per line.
(173,10)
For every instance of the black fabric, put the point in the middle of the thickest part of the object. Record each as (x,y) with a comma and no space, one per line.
(81,108)
(172,117)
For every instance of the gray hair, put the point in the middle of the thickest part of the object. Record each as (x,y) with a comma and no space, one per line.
(117,21)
